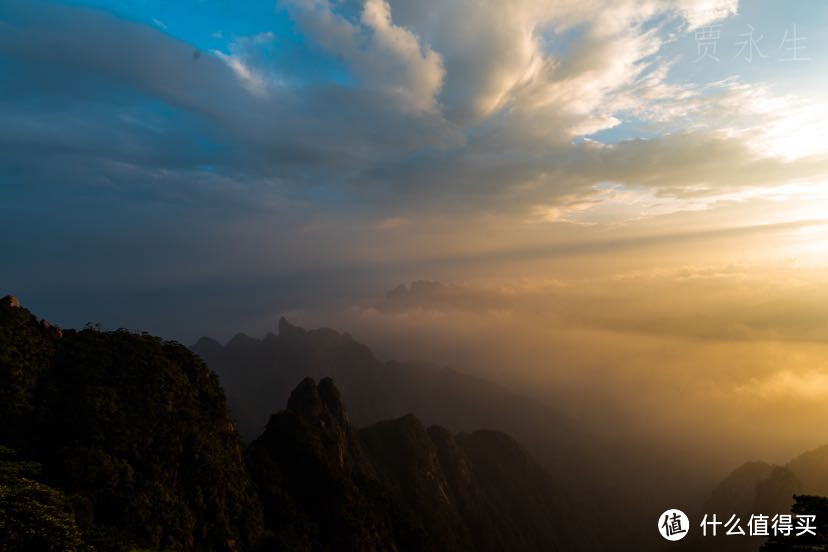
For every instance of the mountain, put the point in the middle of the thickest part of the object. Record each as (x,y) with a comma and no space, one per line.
(765,488)
(116,441)
(609,477)
(816,506)
(258,373)
(738,491)
(126,436)
(762,488)
(396,485)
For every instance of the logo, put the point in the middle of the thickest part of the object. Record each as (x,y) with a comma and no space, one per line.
(673,525)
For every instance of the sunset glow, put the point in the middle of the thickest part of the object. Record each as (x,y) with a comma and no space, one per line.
(617,207)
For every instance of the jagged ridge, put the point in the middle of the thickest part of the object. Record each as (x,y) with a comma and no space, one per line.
(399,486)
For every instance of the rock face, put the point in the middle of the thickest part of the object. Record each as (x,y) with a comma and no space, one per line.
(10,302)
(399,486)
(318,488)
(133,430)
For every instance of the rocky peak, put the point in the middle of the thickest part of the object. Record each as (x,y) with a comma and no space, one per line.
(52,331)
(288,330)
(10,302)
(305,400)
(315,403)
(330,397)
(13,308)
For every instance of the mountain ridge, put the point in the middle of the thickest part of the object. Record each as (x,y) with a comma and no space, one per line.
(422,488)
(124,441)
(635,485)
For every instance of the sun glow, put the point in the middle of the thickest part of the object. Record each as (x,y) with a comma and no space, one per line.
(810,244)
(789,127)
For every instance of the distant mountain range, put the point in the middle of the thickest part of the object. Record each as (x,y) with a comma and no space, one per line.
(615,480)
(761,488)
(258,373)
(758,487)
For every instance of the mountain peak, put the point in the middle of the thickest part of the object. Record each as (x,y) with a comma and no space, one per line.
(240,341)
(13,308)
(286,329)
(205,341)
(10,302)
(312,401)
(305,400)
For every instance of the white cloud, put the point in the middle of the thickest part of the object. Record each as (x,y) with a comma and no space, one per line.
(242,60)
(383,55)
(252,80)
(705,12)
(414,71)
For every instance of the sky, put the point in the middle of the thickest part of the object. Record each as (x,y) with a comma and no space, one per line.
(611,198)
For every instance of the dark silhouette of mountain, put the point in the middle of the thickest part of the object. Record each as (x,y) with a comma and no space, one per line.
(260,373)
(770,488)
(759,488)
(122,441)
(737,493)
(816,506)
(612,479)
(133,432)
(399,486)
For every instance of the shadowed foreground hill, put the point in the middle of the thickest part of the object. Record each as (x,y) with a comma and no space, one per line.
(132,437)
(399,486)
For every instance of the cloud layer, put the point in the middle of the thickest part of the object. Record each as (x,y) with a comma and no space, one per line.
(435,104)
